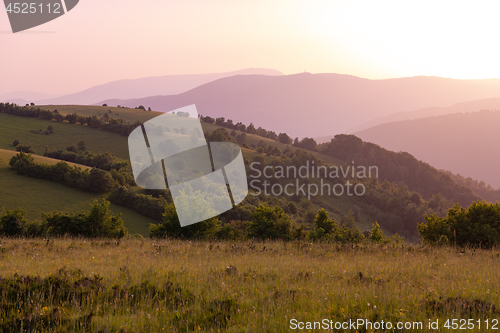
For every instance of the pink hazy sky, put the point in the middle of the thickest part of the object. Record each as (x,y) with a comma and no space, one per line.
(104,40)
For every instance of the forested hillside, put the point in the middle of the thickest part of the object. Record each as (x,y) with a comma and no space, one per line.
(404,191)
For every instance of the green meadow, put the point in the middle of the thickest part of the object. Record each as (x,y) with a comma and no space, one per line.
(81,285)
(65,134)
(39,196)
(133,115)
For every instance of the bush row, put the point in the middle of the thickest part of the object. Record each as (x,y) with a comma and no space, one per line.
(267,223)
(478,225)
(120,169)
(98,222)
(146,205)
(95,181)
(109,124)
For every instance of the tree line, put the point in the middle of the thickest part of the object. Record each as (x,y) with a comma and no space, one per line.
(98,222)
(120,169)
(478,226)
(118,126)
(94,181)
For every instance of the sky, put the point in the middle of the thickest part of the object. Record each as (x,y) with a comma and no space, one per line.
(101,41)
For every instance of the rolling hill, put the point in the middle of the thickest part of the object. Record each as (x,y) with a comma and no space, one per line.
(20,128)
(464,143)
(148,86)
(38,196)
(388,200)
(316,105)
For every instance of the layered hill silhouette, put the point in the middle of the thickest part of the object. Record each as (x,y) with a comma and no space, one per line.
(464,143)
(472,106)
(148,86)
(23,97)
(316,105)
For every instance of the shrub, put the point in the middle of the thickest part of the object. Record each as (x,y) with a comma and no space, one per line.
(329,230)
(25,149)
(376,235)
(170,227)
(100,181)
(146,205)
(478,225)
(99,222)
(12,222)
(270,223)
(96,181)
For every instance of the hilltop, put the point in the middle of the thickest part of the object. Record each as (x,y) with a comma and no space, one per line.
(146,86)
(314,105)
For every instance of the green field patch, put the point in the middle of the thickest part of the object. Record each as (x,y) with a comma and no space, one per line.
(65,135)
(38,196)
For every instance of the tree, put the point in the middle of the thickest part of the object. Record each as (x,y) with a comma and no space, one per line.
(15,143)
(98,222)
(219,135)
(105,104)
(324,228)
(284,138)
(241,138)
(72,118)
(307,143)
(272,135)
(208,119)
(50,129)
(12,222)
(171,227)
(478,225)
(101,222)
(100,181)
(322,221)
(251,129)
(376,235)
(25,149)
(275,151)
(270,223)
(81,146)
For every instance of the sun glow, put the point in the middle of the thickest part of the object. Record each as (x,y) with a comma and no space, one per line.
(395,38)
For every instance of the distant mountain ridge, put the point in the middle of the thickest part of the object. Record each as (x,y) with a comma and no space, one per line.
(23,97)
(464,143)
(471,106)
(316,105)
(147,86)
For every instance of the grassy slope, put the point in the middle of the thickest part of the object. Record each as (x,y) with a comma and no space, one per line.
(132,115)
(38,195)
(14,127)
(19,128)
